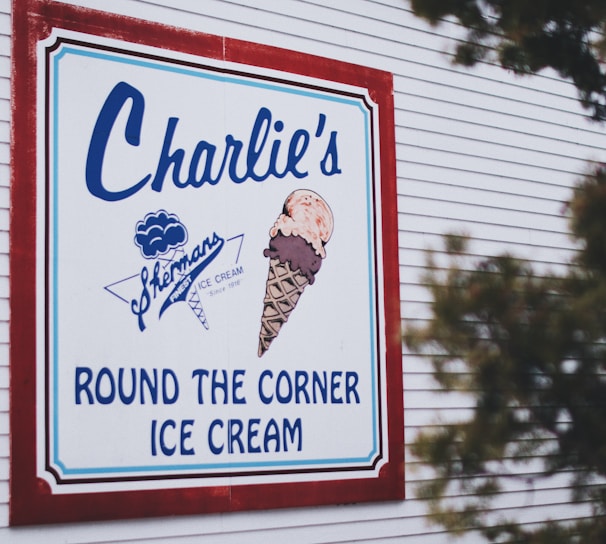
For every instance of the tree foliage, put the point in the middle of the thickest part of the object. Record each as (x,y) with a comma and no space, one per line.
(527,36)
(531,349)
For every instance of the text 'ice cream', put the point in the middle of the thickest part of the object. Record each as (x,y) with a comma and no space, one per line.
(296,250)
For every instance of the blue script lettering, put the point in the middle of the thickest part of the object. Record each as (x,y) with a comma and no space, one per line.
(160,280)
(256,159)
(103,128)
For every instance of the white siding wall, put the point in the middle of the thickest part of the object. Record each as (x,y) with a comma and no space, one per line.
(479,151)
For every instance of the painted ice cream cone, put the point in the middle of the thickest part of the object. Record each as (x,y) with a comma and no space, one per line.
(282,292)
(194,302)
(193,297)
(296,250)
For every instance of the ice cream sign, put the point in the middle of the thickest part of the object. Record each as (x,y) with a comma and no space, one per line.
(215,276)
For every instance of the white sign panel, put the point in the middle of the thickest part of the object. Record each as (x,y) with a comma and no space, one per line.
(212,307)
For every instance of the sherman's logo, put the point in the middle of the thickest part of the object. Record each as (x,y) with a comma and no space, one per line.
(173,268)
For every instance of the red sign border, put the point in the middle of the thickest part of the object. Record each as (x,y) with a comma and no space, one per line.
(31,500)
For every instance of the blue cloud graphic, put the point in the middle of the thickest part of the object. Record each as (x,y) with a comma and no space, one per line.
(158,233)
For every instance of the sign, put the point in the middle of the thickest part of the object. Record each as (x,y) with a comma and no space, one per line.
(213,308)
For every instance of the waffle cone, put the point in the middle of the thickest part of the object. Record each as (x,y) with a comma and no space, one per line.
(282,291)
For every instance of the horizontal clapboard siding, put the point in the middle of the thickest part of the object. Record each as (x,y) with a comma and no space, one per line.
(478,152)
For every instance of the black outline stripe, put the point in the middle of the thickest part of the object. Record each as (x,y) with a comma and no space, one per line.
(245,75)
